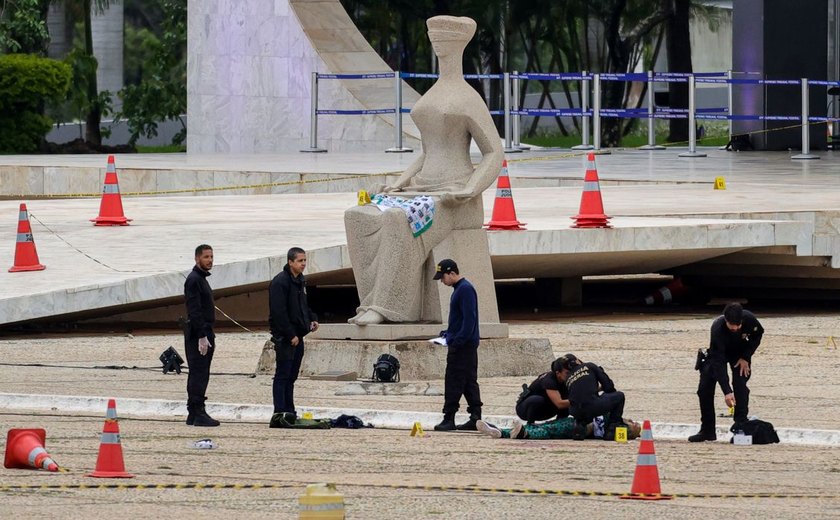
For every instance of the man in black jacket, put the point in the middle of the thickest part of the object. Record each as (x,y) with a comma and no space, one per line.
(735,336)
(199,340)
(462,339)
(290,320)
(583,381)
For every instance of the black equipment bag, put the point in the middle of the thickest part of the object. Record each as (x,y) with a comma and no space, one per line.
(386,369)
(762,431)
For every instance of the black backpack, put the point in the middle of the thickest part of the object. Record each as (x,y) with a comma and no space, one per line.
(386,369)
(762,431)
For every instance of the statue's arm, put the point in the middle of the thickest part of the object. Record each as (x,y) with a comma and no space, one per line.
(404,178)
(483,131)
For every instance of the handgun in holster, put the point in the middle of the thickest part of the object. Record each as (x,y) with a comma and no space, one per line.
(702,355)
(184,323)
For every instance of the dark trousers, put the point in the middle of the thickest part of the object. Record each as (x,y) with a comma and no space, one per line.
(199,374)
(539,408)
(612,403)
(706,393)
(461,379)
(286,373)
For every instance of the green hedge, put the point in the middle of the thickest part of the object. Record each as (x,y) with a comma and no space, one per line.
(27,83)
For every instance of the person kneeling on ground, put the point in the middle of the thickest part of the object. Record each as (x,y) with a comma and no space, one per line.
(546,397)
(582,381)
(557,429)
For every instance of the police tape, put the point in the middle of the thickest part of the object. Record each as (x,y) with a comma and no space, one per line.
(417,487)
(207,189)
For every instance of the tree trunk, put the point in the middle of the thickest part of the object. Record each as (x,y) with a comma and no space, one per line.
(94,115)
(678,44)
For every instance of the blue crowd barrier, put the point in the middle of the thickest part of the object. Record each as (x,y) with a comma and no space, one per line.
(375,75)
(355,112)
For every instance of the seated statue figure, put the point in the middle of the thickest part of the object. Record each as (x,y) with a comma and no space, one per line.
(387,256)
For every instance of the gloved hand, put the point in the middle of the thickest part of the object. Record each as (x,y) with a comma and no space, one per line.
(203,345)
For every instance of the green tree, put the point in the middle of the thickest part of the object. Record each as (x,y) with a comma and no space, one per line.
(162,92)
(23,26)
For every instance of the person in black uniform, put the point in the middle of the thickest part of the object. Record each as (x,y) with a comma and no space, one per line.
(735,336)
(290,319)
(546,397)
(199,340)
(583,381)
(462,340)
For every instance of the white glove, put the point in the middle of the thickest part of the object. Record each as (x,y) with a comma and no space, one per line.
(203,346)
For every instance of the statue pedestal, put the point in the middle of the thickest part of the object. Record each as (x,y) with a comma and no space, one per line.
(419,359)
(397,331)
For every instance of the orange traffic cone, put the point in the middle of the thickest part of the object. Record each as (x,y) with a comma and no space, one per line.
(110,463)
(504,214)
(666,294)
(26,256)
(591,207)
(110,209)
(646,480)
(25,449)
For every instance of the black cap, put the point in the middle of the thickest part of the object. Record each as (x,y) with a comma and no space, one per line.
(445,266)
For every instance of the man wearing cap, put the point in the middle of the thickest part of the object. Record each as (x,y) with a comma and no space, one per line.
(462,341)
(591,393)
(735,336)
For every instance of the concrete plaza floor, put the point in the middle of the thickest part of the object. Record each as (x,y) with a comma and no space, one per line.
(385,473)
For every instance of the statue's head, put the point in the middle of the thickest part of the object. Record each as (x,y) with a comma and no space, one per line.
(450,34)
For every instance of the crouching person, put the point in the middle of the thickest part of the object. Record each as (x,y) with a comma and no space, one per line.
(583,381)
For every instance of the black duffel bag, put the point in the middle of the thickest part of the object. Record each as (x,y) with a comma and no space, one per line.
(762,431)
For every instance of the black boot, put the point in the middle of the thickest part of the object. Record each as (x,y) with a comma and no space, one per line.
(702,436)
(469,426)
(202,418)
(190,415)
(579,431)
(447,424)
(283,420)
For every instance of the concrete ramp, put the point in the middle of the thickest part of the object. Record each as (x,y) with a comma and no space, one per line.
(249,79)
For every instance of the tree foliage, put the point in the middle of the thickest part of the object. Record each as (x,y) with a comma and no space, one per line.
(162,93)
(23,26)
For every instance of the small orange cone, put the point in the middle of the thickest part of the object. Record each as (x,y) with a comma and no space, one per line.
(666,294)
(591,207)
(646,480)
(504,213)
(25,449)
(26,256)
(111,209)
(110,463)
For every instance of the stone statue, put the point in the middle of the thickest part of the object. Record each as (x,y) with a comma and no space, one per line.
(387,258)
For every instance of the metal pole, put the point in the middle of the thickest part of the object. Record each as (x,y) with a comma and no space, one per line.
(692,125)
(651,145)
(517,118)
(313,118)
(398,133)
(728,106)
(584,120)
(596,111)
(506,89)
(806,128)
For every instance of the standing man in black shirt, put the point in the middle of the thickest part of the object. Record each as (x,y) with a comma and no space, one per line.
(735,336)
(199,340)
(546,397)
(584,380)
(462,340)
(290,320)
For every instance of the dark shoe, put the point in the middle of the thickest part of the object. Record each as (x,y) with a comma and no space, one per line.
(447,424)
(518,431)
(283,420)
(469,426)
(202,419)
(579,432)
(703,436)
(190,418)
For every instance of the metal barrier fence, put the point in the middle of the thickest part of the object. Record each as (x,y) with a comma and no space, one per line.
(513,113)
